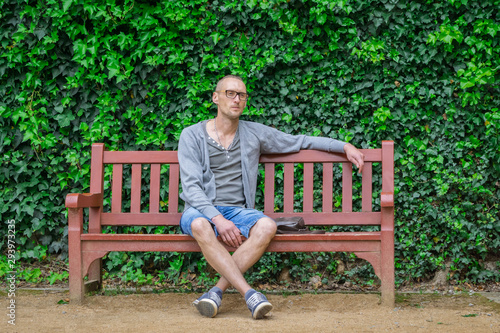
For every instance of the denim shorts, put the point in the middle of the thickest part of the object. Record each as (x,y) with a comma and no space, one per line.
(243,218)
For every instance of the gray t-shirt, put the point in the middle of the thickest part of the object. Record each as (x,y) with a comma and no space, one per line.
(226,167)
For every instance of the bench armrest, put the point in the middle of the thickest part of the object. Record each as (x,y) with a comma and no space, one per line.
(387,199)
(81,200)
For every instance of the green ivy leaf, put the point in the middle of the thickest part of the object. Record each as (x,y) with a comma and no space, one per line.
(321,18)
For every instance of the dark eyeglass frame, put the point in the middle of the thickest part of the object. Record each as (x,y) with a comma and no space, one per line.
(243,96)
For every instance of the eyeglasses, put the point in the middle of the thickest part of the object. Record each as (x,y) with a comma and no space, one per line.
(232,94)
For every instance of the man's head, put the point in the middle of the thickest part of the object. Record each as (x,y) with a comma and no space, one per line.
(230,96)
(221,81)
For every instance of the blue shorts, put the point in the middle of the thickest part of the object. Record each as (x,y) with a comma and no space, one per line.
(243,218)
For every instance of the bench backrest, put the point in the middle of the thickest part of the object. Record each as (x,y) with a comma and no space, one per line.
(157,159)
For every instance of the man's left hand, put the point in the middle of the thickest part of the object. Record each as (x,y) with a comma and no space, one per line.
(355,156)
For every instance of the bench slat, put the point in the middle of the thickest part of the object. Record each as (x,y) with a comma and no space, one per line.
(135,191)
(388,167)
(140,157)
(316,156)
(269,188)
(346,187)
(351,242)
(141,219)
(327,187)
(154,185)
(96,184)
(308,187)
(288,190)
(317,219)
(168,157)
(374,236)
(173,189)
(116,188)
(327,245)
(336,218)
(366,183)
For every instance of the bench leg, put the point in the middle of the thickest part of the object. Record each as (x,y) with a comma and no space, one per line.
(383,266)
(95,275)
(387,263)
(76,286)
(388,297)
(91,267)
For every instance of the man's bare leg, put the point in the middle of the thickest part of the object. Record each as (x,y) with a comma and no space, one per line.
(231,271)
(231,268)
(217,255)
(252,249)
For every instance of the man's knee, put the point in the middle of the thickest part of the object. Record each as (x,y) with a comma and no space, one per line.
(201,228)
(265,227)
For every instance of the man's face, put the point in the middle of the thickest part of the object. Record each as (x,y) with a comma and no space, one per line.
(231,108)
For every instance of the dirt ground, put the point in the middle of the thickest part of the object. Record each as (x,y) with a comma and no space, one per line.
(172,312)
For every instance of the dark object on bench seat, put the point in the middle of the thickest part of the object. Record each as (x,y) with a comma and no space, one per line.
(294,225)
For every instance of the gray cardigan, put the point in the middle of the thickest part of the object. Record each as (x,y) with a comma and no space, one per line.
(198,181)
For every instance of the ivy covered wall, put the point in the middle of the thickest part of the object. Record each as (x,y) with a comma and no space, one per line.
(133,74)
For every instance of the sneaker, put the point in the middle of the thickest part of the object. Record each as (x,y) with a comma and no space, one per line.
(208,304)
(258,304)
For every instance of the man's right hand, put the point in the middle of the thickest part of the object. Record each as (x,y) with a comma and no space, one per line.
(229,233)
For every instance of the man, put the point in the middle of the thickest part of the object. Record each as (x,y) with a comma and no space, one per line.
(219,163)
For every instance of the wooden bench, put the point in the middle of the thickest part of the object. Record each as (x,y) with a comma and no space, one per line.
(86,249)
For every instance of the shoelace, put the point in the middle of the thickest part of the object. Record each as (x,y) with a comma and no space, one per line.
(255,299)
(215,297)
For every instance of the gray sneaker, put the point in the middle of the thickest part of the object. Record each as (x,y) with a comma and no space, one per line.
(208,304)
(258,304)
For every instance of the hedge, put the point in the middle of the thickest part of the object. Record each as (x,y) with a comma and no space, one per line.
(133,74)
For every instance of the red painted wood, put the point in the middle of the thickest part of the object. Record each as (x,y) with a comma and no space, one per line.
(387,224)
(288,191)
(137,237)
(173,189)
(323,246)
(376,247)
(327,187)
(143,246)
(269,188)
(75,229)
(337,218)
(373,258)
(386,199)
(308,196)
(96,168)
(387,166)
(140,157)
(345,236)
(116,188)
(154,188)
(388,174)
(190,245)
(135,190)
(168,157)
(366,192)
(387,256)
(80,200)
(346,187)
(316,156)
(281,243)
(141,219)
(96,184)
